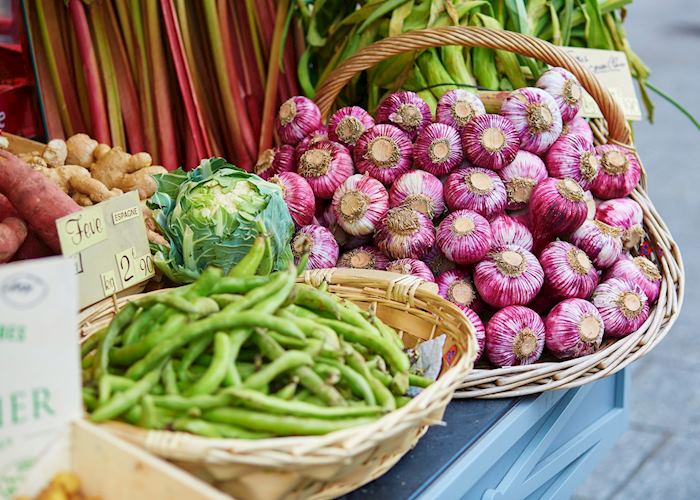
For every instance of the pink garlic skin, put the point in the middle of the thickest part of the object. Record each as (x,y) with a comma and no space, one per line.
(464,237)
(520,177)
(297,117)
(568,272)
(506,230)
(405,233)
(522,216)
(318,135)
(623,306)
(579,126)
(419,190)
(348,201)
(458,287)
(413,267)
(535,116)
(479,330)
(503,279)
(574,328)
(490,141)
(557,207)
(274,161)
(563,86)
(329,220)
(437,262)
(325,166)
(364,257)
(573,157)
(324,248)
(457,107)
(619,172)
(626,214)
(638,271)
(590,203)
(476,189)
(298,196)
(602,243)
(394,149)
(515,328)
(347,124)
(405,110)
(438,149)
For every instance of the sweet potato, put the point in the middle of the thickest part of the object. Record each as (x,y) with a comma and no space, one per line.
(12,234)
(38,201)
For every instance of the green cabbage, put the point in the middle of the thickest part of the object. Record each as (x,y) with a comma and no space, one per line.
(211,216)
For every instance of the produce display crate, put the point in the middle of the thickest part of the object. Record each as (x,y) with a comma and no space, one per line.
(330,465)
(613,355)
(112,469)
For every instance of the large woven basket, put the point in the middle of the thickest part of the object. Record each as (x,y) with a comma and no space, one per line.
(330,465)
(613,355)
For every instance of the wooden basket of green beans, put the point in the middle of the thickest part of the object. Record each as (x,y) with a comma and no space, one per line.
(275,386)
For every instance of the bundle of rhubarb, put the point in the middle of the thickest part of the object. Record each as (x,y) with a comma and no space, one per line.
(517,216)
(245,356)
(335,30)
(182,80)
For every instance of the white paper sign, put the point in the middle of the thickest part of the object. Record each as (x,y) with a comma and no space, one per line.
(611,68)
(40,359)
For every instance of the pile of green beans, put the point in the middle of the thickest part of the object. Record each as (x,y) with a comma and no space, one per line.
(245,356)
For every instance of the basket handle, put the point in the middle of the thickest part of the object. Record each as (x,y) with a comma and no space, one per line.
(474,36)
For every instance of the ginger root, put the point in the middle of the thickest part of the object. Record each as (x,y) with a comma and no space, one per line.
(118,169)
(34,160)
(55,153)
(81,148)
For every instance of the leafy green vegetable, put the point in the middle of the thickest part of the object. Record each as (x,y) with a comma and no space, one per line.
(211,216)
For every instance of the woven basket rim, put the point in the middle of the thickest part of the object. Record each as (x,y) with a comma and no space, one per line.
(388,426)
(539,377)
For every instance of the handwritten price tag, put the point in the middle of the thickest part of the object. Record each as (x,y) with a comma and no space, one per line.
(109,244)
(611,68)
(133,268)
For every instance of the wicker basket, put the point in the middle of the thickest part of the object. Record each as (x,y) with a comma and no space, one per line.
(330,465)
(613,355)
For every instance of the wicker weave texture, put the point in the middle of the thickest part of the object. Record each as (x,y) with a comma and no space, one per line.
(613,355)
(330,465)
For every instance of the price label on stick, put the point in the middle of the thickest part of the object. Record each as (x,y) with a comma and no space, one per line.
(109,244)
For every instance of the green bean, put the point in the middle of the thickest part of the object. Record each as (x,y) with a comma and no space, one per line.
(287,342)
(387,332)
(399,383)
(169,379)
(383,377)
(301,312)
(90,343)
(280,425)
(201,306)
(214,430)
(158,390)
(286,362)
(303,263)
(267,263)
(148,418)
(89,399)
(195,349)
(133,416)
(212,378)
(118,383)
(402,401)
(396,358)
(225,299)
(230,285)
(122,401)
(311,328)
(287,392)
(311,298)
(88,360)
(270,304)
(307,377)
(206,282)
(330,374)
(202,401)
(271,404)
(383,395)
(245,369)
(418,381)
(129,354)
(142,322)
(359,386)
(237,338)
(119,321)
(249,263)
